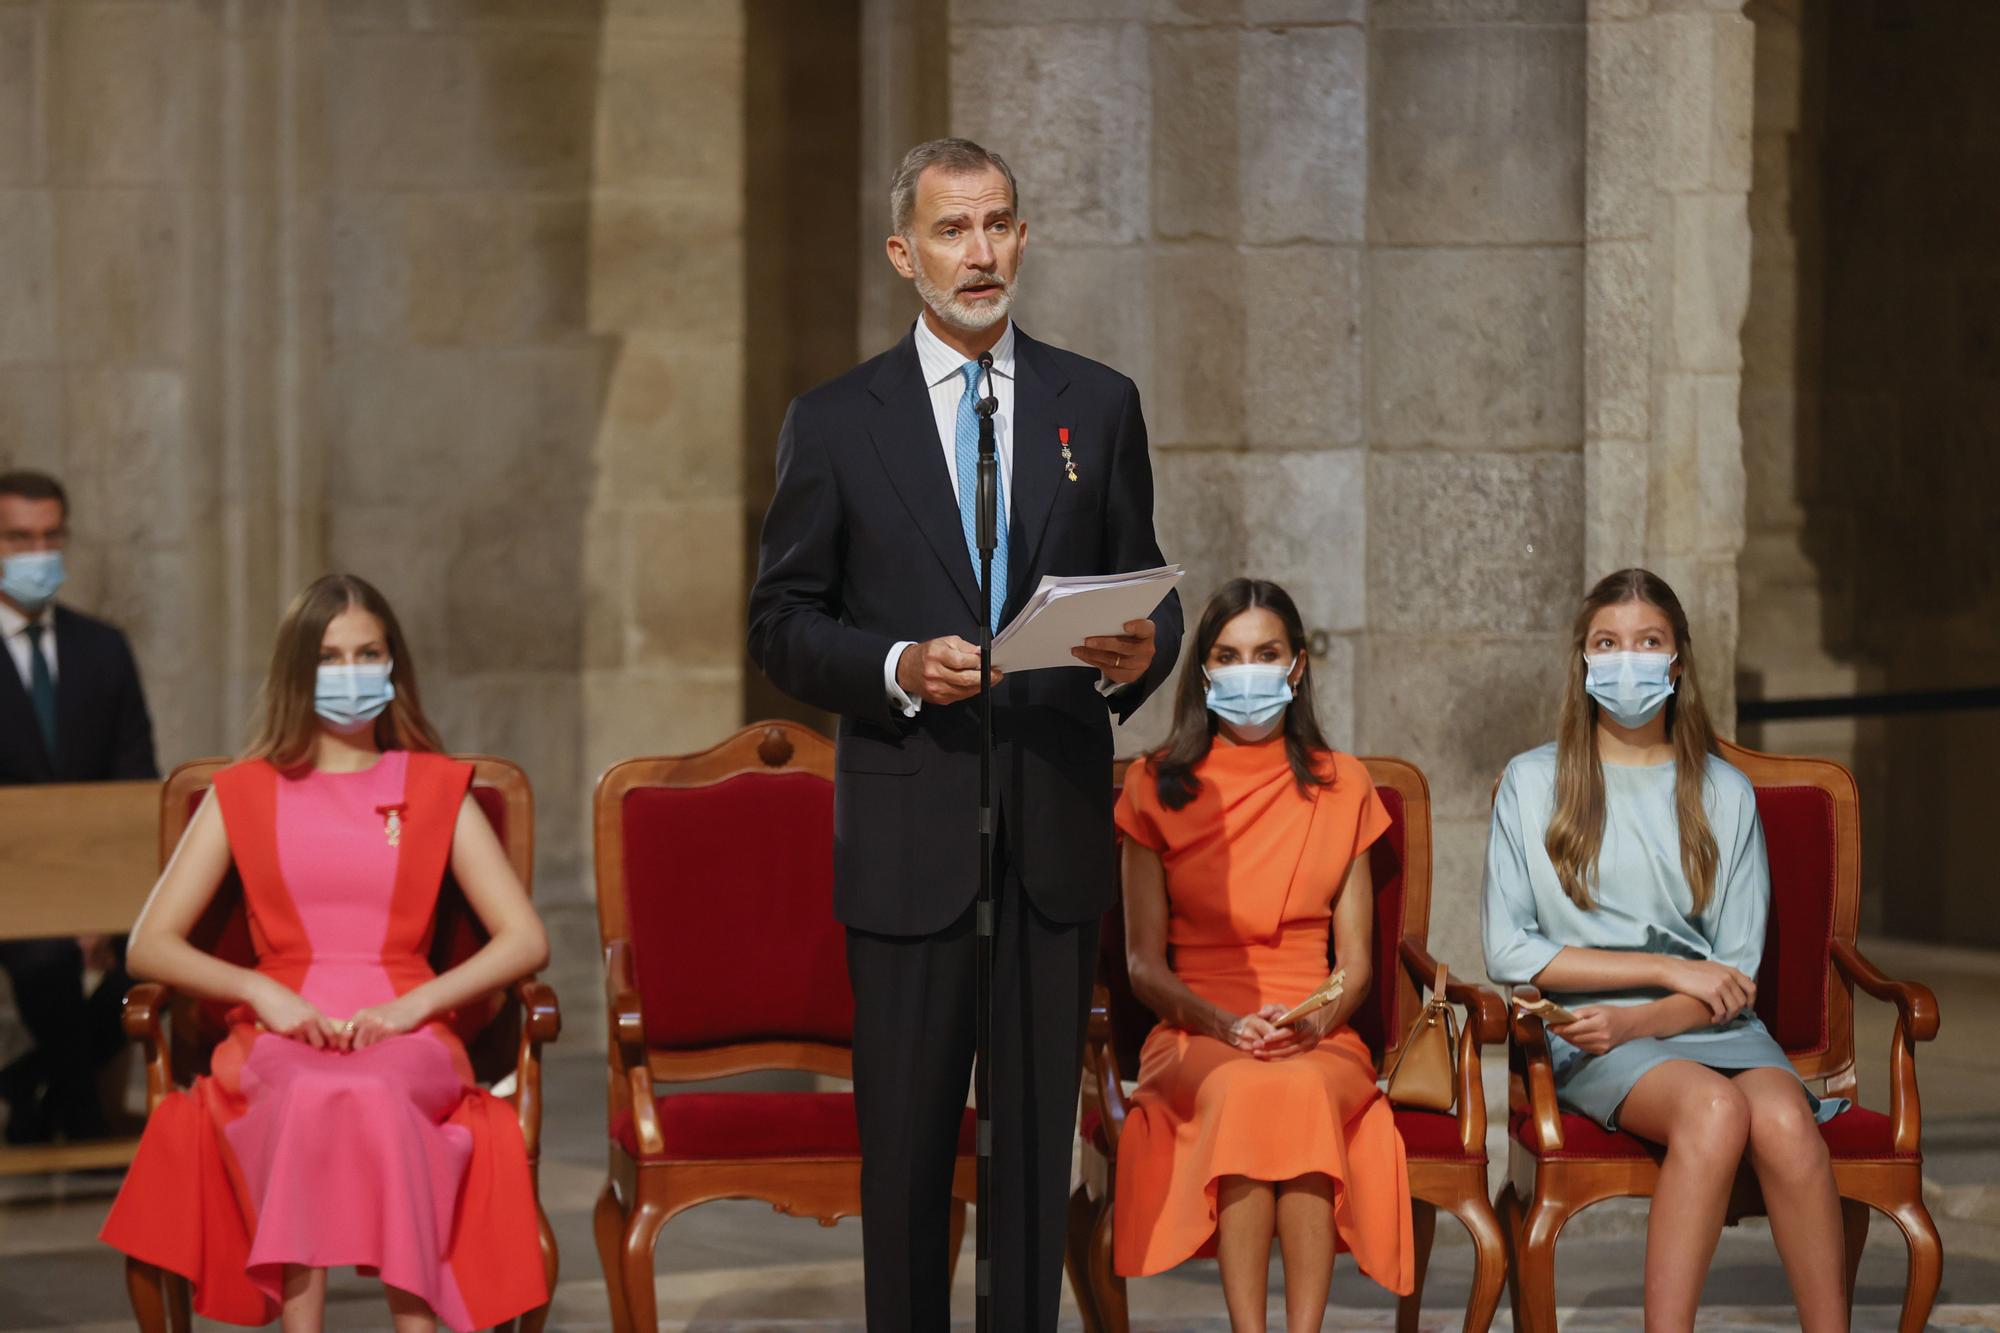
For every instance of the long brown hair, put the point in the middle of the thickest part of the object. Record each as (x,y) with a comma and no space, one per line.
(1576,829)
(1194,726)
(287,726)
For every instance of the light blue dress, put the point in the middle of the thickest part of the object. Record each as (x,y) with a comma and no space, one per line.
(1642,903)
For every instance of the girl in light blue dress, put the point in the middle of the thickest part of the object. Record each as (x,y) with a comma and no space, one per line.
(1626,877)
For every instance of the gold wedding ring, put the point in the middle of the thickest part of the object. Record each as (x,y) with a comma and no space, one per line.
(348,1027)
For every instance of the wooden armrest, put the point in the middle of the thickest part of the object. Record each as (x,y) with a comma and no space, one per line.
(1913,1000)
(631,1075)
(144,1017)
(1485,1012)
(541,1014)
(1917,1020)
(1533,1043)
(1100,1063)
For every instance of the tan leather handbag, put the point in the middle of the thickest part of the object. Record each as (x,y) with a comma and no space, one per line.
(1422,1075)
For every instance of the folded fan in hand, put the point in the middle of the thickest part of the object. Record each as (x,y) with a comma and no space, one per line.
(1329,991)
(1545,1009)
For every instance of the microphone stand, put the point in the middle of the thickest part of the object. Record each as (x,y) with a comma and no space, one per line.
(987,505)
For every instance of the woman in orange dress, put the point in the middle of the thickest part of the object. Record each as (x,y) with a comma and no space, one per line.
(1244,842)
(340,1125)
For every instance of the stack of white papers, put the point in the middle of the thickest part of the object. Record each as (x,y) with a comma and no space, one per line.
(1066,611)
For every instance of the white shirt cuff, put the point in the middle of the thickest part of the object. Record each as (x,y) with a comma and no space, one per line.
(898,700)
(1108,687)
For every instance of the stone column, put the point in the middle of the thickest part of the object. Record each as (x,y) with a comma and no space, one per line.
(1667,277)
(1475,353)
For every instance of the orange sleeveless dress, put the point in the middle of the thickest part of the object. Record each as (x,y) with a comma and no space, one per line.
(1252,868)
(388,1159)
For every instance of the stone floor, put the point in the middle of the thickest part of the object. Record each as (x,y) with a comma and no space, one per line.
(736,1267)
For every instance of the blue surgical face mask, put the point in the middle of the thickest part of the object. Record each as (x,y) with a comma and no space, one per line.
(31,578)
(1631,687)
(1251,697)
(348,698)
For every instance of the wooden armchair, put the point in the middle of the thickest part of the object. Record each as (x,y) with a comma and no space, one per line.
(503,1037)
(1560,1163)
(1446,1152)
(722,956)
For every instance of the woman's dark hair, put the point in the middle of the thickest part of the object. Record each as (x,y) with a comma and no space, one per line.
(1194,726)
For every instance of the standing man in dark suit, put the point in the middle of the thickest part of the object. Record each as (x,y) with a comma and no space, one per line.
(71,710)
(866,605)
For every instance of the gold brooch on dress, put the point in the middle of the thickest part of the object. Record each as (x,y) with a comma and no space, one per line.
(392,823)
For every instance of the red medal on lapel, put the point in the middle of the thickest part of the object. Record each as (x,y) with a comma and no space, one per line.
(1069,465)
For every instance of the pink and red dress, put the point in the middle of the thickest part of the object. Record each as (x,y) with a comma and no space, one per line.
(387,1159)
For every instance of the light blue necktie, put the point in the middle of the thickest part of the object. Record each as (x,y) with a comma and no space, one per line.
(967,442)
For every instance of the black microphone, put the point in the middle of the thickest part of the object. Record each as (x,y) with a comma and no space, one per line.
(987,520)
(990,404)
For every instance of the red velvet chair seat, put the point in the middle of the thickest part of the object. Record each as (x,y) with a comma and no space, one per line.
(1432,1136)
(751,1126)
(1856,1134)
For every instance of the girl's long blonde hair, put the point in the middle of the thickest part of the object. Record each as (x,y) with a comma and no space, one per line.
(1576,829)
(287,726)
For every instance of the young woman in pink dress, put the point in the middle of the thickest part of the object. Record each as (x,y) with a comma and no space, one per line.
(340,1125)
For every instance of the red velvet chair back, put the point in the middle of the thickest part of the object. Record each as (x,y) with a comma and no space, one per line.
(1810,811)
(489,1028)
(1400,862)
(716,870)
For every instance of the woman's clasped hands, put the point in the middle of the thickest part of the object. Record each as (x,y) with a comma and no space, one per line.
(284,1011)
(1260,1035)
(1726,991)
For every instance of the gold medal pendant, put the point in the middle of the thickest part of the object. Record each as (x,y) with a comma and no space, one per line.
(392,823)
(1069,465)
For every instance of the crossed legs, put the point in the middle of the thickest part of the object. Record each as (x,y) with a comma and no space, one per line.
(1707,1121)
(1299,1212)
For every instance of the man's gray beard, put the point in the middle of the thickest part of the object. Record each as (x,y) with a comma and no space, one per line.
(967,319)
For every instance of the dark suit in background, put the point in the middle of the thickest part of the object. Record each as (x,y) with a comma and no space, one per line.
(862,548)
(103,733)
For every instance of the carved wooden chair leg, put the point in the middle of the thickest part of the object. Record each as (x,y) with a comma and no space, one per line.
(1105,1284)
(1926,1263)
(1076,1258)
(1510,1231)
(1489,1271)
(642,1230)
(146,1286)
(1535,1267)
(1423,1230)
(1854,1227)
(956,1239)
(608,1222)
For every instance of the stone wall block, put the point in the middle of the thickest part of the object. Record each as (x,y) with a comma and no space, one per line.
(1711,281)
(670,403)
(1458,879)
(534,719)
(1419,13)
(607,619)
(1478,135)
(395,421)
(1460,709)
(1336,683)
(463,269)
(1732,114)
(1718,628)
(1098,302)
(122,275)
(400,110)
(1474,543)
(509,558)
(1302,359)
(1304,127)
(127,448)
(1673,488)
(986,15)
(682,612)
(1719,462)
(27,275)
(535,420)
(1277,12)
(554,290)
(1199,332)
(1688,72)
(1069,107)
(670,114)
(1609,11)
(1615,507)
(1199,514)
(1618,339)
(20,91)
(31,417)
(1305,526)
(1197,179)
(123,100)
(664,710)
(1476,349)
(368,267)
(1623,130)
(666,262)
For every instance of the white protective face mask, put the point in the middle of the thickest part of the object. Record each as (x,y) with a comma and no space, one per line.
(1251,697)
(351,697)
(1631,687)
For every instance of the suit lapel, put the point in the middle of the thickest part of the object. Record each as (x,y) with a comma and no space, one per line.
(1037,462)
(17,713)
(906,437)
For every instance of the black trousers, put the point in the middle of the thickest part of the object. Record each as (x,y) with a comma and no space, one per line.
(913,1053)
(54,1085)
